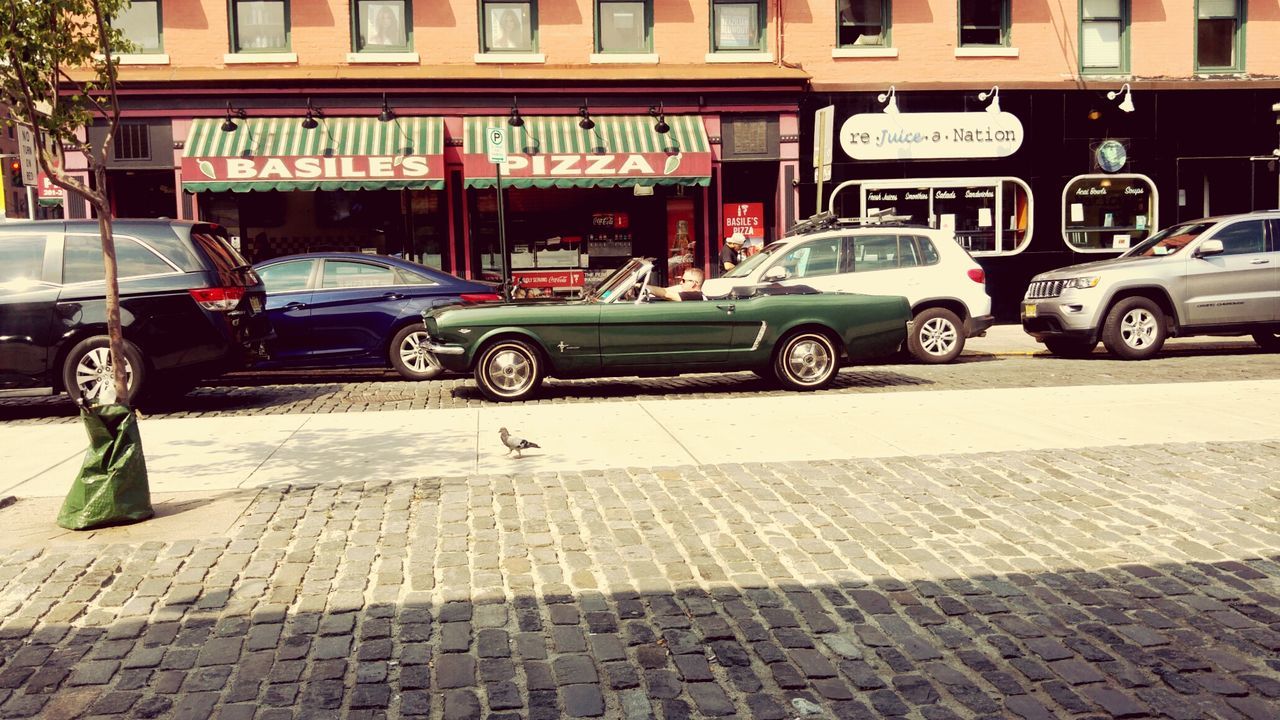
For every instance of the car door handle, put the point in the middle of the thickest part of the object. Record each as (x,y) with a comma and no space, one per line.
(294,306)
(1260,261)
(728,308)
(393,296)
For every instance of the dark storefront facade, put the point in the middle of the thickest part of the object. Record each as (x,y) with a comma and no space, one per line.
(1037,179)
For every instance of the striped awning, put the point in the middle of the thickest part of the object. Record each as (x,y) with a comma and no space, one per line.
(341,153)
(621,150)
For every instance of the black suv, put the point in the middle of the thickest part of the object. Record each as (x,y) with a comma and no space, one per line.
(190,305)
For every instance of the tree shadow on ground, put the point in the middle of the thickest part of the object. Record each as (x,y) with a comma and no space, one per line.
(679,592)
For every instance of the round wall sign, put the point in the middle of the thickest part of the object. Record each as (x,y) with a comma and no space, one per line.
(1111,155)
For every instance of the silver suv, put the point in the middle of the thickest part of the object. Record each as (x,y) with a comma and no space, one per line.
(1216,276)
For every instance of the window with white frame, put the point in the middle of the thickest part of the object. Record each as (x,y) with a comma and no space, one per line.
(259,26)
(989,216)
(862,23)
(623,26)
(382,26)
(1104,37)
(508,26)
(140,23)
(984,23)
(736,25)
(1219,35)
(1108,213)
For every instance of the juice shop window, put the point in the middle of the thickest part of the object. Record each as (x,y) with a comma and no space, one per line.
(1108,213)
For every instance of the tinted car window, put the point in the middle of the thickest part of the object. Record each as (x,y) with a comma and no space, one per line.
(821,257)
(82,259)
(928,252)
(404,277)
(287,276)
(907,252)
(875,252)
(21,262)
(345,274)
(1242,238)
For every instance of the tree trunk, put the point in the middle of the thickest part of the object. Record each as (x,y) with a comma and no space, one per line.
(115,335)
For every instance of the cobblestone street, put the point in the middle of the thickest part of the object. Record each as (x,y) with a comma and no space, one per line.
(1118,582)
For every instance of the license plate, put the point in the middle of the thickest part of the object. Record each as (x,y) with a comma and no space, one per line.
(1028,310)
(255,303)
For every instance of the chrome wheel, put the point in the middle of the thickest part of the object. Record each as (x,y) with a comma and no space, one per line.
(938,337)
(412,359)
(94,373)
(508,370)
(1139,328)
(806,361)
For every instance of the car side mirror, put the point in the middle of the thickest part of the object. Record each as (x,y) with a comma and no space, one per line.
(1209,247)
(776,273)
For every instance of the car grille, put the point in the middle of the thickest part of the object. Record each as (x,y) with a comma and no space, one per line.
(1045,288)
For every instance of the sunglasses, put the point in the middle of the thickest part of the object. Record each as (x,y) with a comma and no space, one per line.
(689,279)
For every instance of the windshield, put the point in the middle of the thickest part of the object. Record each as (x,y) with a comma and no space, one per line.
(1169,240)
(619,281)
(744,268)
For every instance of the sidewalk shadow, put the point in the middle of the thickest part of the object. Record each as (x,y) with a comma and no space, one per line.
(431,599)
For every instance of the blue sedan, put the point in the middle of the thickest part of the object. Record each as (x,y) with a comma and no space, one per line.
(355,310)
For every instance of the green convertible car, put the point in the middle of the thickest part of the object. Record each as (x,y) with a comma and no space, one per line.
(621,329)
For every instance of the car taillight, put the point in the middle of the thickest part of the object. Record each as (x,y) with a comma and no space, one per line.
(977,275)
(480,297)
(219,298)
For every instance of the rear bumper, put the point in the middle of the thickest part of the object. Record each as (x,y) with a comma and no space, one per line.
(978,325)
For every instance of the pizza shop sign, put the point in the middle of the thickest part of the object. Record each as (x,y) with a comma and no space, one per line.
(308,167)
(593,165)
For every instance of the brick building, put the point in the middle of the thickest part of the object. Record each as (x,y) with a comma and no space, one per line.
(1044,133)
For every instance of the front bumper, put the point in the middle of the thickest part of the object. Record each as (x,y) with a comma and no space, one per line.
(1058,317)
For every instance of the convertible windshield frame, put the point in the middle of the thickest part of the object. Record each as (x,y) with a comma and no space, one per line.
(1169,241)
(618,283)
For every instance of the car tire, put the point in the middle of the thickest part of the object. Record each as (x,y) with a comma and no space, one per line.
(937,336)
(1134,329)
(88,364)
(509,370)
(1268,341)
(409,357)
(806,360)
(1070,348)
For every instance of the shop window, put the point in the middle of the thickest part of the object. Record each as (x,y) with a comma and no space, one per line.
(623,26)
(259,26)
(382,26)
(863,23)
(1219,35)
(1108,213)
(1104,37)
(132,141)
(984,23)
(508,26)
(989,216)
(140,24)
(735,25)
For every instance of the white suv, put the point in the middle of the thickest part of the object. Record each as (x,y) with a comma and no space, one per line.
(945,287)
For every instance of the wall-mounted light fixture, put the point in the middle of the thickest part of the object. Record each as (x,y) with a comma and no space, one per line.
(586,123)
(387,114)
(661,127)
(229,125)
(309,122)
(994,94)
(890,99)
(1127,103)
(515,120)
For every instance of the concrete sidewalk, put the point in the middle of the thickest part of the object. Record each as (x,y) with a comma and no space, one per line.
(219,454)
(1010,339)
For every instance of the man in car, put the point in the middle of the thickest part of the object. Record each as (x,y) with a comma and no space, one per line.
(690,287)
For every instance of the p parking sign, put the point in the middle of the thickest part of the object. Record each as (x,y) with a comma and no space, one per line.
(495,140)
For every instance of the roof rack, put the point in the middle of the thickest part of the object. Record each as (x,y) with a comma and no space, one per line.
(829,221)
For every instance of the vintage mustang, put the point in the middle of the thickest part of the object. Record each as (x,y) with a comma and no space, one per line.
(622,329)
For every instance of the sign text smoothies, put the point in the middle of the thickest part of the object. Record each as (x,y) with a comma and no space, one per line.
(305,167)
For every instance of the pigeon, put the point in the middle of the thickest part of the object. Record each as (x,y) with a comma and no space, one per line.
(514,443)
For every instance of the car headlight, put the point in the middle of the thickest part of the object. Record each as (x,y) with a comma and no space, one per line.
(1082,283)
